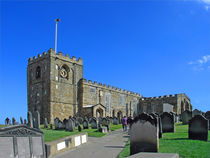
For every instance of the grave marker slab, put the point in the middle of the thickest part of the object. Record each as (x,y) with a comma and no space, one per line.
(167,120)
(186,116)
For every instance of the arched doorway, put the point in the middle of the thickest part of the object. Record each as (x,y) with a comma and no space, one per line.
(99,113)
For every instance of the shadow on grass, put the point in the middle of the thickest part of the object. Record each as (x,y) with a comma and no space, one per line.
(177,139)
(114,146)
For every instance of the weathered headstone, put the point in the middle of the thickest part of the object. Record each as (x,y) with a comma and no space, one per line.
(70,125)
(45,123)
(21,120)
(37,120)
(56,122)
(30,119)
(198,128)
(85,124)
(93,123)
(167,120)
(186,116)
(13,121)
(25,121)
(207,116)
(196,112)
(21,141)
(144,134)
(158,119)
(115,121)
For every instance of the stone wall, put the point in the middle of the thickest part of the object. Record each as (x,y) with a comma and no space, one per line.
(113,99)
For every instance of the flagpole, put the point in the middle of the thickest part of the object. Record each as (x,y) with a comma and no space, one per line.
(56,22)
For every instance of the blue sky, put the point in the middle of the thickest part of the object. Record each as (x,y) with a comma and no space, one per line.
(150,47)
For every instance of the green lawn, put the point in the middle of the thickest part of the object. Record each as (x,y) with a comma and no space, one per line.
(178,142)
(50,135)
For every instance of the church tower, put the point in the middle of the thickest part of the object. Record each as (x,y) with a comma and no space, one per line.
(52,85)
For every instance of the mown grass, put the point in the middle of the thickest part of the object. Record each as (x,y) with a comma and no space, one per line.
(178,142)
(1,125)
(51,135)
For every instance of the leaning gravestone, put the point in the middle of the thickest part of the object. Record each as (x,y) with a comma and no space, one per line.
(144,134)
(186,116)
(85,124)
(21,142)
(37,120)
(93,123)
(198,128)
(30,119)
(160,131)
(167,120)
(45,123)
(70,125)
(207,116)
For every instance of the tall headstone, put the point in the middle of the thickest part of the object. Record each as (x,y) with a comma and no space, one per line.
(13,121)
(198,128)
(30,119)
(25,122)
(45,123)
(21,120)
(144,134)
(207,116)
(37,120)
(167,120)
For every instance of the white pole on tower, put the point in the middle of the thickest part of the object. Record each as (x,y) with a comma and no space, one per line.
(56,22)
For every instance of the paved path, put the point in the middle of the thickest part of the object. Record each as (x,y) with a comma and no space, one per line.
(108,146)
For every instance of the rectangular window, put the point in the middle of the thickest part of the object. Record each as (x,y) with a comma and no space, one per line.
(122,99)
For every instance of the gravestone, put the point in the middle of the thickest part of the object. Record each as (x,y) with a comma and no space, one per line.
(30,119)
(167,120)
(104,122)
(56,122)
(45,123)
(144,134)
(158,119)
(13,121)
(174,115)
(93,123)
(65,121)
(61,125)
(79,128)
(115,121)
(21,141)
(207,116)
(99,120)
(196,112)
(186,116)
(37,120)
(70,125)
(25,121)
(198,128)
(7,120)
(21,120)
(80,120)
(85,124)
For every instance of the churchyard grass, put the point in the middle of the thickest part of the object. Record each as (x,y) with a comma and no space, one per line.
(1,125)
(51,135)
(178,142)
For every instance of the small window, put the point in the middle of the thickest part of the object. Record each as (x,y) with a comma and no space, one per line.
(38,72)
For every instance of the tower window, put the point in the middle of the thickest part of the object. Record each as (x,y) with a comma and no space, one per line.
(38,72)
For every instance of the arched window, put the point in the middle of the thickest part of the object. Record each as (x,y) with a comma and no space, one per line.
(38,72)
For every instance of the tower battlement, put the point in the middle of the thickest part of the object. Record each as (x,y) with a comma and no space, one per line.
(59,55)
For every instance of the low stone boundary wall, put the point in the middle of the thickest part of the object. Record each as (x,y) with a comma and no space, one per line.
(61,145)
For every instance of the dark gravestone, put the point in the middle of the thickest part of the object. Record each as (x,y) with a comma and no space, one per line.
(198,128)
(7,121)
(13,121)
(186,116)
(196,112)
(167,120)
(30,119)
(45,123)
(158,119)
(79,128)
(37,120)
(93,123)
(21,141)
(207,116)
(80,120)
(61,125)
(25,121)
(144,134)
(85,124)
(56,122)
(115,121)
(21,120)
(70,125)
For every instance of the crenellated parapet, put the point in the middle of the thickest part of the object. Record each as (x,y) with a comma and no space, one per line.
(108,87)
(164,97)
(59,55)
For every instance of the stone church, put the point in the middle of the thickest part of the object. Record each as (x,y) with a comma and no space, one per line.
(56,88)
